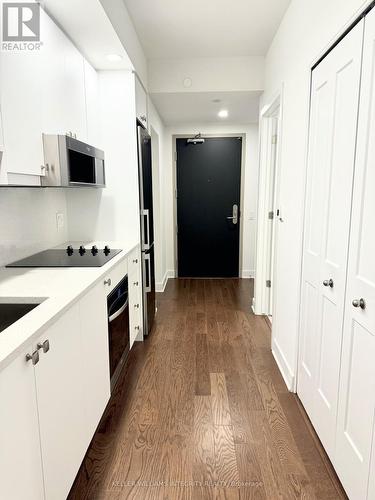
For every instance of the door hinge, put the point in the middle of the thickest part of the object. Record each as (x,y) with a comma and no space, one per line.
(268,283)
(175,193)
(175,156)
(176,229)
(271,215)
(274,139)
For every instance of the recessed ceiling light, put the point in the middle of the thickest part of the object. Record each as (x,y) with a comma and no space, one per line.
(223,113)
(114,57)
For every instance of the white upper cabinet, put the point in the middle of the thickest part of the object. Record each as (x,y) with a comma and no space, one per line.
(75,101)
(20,458)
(21,105)
(92,105)
(45,91)
(141,102)
(62,83)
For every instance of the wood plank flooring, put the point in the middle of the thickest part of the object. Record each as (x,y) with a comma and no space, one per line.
(202,412)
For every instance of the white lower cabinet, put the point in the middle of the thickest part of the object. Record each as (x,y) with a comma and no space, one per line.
(20,458)
(95,356)
(52,404)
(60,392)
(135,296)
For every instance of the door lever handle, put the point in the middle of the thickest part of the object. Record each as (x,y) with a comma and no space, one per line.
(234,216)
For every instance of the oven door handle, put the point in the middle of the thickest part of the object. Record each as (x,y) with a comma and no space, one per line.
(118,313)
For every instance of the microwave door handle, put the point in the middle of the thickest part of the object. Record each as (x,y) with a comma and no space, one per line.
(118,313)
(146,244)
(147,271)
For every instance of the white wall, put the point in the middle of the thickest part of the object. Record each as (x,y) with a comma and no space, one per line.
(306,30)
(250,187)
(28,221)
(112,213)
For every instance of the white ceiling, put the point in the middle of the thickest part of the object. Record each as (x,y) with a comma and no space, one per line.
(88,26)
(206,28)
(177,108)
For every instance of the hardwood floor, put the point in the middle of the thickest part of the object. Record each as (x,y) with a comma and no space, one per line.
(202,411)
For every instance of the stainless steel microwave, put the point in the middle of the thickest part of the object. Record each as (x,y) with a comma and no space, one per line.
(69,162)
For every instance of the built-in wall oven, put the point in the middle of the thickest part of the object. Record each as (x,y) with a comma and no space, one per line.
(118,328)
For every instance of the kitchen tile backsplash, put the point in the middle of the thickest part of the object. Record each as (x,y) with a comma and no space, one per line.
(28,221)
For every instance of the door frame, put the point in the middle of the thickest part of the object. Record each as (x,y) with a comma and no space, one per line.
(242,187)
(269,182)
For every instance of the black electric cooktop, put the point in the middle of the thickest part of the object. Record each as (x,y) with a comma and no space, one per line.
(69,257)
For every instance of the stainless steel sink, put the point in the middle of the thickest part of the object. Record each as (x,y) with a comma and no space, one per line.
(10,313)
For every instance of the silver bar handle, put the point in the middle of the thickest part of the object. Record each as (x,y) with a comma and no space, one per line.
(147,272)
(146,213)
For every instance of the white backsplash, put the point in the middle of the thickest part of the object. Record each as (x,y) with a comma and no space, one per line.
(28,221)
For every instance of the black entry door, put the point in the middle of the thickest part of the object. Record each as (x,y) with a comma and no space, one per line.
(208,187)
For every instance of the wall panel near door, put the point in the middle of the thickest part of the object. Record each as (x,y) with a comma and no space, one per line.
(355,430)
(332,142)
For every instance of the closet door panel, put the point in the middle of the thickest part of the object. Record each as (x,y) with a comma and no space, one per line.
(355,427)
(320,125)
(333,128)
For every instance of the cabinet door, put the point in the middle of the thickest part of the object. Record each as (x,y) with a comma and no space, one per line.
(95,355)
(135,308)
(60,392)
(61,83)
(141,102)
(355,430)
(20,460)
(92,105)
(333,126)
(21,104)
(74,96)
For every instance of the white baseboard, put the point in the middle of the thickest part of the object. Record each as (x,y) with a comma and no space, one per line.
(287,374)
(248,273)
(160,286)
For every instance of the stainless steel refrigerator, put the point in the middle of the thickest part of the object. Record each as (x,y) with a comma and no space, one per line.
(147,227)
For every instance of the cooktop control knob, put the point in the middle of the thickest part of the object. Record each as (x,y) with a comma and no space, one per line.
(69,250)
(82,250)
(94,250)
(107,250)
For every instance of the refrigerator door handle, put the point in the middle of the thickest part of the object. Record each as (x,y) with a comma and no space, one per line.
(147,272)
(146,244)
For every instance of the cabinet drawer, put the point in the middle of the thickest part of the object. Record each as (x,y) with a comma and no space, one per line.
(115,275)
(134,264)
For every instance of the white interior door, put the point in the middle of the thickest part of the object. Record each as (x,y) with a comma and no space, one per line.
(273,209)
(357,386)
(333,126)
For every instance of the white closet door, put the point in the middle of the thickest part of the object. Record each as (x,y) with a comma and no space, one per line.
(357,383)
(333,123)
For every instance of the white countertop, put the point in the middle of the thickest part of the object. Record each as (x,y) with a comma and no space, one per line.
(57,288)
